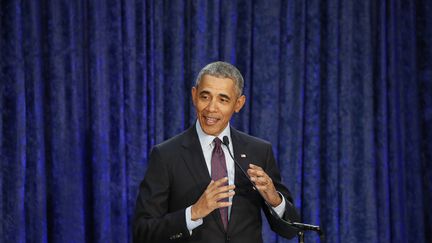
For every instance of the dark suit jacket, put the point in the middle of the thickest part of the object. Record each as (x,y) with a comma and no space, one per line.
(176,177)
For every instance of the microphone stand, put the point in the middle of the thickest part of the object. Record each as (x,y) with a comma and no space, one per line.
(301,237)
(301,227)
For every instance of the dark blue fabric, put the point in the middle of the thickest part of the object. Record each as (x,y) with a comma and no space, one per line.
(342,89)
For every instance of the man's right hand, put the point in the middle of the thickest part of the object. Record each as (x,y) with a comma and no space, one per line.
(211,198)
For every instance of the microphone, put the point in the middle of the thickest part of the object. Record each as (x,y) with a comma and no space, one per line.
(299,226)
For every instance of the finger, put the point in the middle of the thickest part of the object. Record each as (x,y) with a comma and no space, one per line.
(210,184)
(215,184)
(223,204)
(261,188)
(224,195)
(222,189)
(252,172)
(255,172)
(221,181)
(213,191)
(255,167)
(259,180)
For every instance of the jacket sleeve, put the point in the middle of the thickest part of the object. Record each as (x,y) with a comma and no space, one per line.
(276,224)
(153,222)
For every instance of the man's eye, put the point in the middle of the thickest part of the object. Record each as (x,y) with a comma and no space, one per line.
(224,100)
(204,97)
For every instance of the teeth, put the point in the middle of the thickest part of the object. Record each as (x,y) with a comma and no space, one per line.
(210,120)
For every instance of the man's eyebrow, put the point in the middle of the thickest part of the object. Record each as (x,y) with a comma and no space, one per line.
(225,96)
(204,92)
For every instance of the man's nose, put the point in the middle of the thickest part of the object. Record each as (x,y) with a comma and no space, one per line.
(212,105)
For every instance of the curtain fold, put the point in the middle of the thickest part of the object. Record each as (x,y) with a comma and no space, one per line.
(343,91)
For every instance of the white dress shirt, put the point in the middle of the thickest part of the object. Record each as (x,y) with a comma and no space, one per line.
(207,146)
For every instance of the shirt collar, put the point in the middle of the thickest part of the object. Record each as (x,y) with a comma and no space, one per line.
(207,140)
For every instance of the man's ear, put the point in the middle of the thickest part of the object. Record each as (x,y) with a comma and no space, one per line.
(194,93)
(240,103)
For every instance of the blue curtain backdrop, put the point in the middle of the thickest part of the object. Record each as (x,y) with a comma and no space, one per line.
(342,89)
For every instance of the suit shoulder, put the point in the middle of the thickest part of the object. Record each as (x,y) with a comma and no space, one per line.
(176,141)
(252,139)
(170,142)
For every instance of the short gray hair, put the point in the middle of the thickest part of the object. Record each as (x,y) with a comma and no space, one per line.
(222,70)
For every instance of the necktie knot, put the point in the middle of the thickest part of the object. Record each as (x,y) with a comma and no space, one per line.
(217,142)
(218,147)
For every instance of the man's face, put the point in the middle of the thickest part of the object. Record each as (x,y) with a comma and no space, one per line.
(215,100)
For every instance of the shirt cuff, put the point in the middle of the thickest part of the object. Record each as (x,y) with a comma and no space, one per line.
(190,224)
(280,209)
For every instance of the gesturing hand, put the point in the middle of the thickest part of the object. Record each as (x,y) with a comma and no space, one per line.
(210,199)
(264,184)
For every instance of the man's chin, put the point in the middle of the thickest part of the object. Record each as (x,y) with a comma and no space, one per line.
(211,130)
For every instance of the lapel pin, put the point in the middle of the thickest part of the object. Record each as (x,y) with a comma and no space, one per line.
(243,155)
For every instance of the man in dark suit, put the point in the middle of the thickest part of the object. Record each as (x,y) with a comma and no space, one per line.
(192,190)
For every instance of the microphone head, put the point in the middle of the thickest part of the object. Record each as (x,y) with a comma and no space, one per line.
(225,140)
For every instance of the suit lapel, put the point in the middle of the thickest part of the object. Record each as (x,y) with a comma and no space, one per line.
(239,147)
(193,158)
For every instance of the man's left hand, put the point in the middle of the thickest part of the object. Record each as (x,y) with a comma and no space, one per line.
(264,184)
